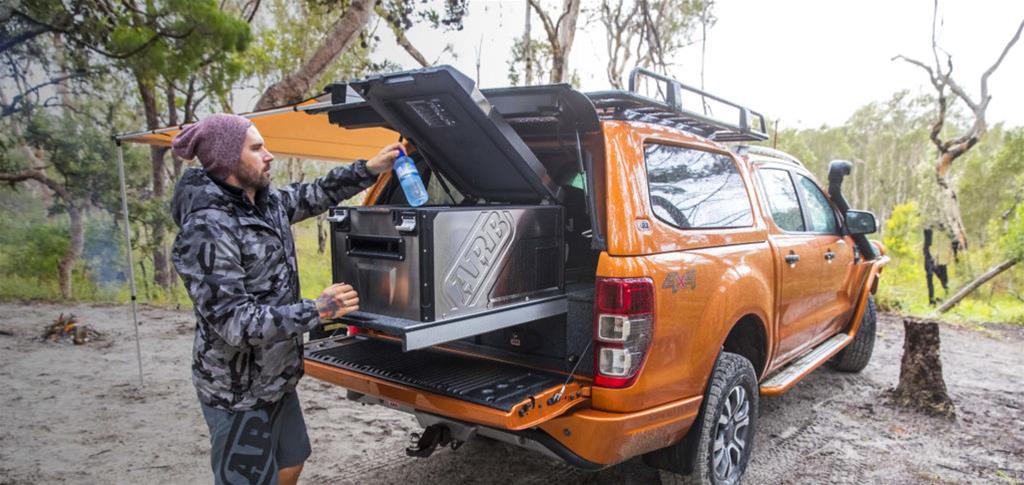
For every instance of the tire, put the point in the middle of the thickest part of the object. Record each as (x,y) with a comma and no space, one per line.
(732,399)
(855,357)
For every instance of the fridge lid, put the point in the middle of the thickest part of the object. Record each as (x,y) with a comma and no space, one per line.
(461,132)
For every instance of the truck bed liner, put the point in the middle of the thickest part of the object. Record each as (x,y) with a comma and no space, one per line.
(488,383)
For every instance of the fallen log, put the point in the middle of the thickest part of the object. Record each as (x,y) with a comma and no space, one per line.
(967,290)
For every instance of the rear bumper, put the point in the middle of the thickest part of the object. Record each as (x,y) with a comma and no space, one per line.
(609,438)
(583,437)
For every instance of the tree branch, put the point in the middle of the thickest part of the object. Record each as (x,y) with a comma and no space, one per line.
(400,37)
(549,27)
(344,31)
(37,175)
(995,65)
(9,109)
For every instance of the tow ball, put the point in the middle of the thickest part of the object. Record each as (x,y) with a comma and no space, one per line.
(433,436)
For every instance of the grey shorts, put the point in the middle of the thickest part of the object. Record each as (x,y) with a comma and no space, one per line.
(251,446)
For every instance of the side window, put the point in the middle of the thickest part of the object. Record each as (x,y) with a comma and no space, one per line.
(819,213)
(696,189)
(782,199)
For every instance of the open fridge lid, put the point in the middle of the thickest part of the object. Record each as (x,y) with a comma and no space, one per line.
(462,134)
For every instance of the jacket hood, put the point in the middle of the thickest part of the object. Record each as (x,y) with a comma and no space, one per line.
(196,191)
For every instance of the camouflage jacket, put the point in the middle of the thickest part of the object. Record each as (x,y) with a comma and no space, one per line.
(237,261)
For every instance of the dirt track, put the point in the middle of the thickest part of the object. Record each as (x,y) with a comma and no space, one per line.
(75,415)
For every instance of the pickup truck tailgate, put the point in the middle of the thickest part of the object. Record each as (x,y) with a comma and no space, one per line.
(443,382)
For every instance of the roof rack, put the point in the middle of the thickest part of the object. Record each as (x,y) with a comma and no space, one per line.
(634,106)
(767,152)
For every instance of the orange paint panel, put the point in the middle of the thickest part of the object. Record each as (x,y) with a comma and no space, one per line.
(690,324)
(608,438)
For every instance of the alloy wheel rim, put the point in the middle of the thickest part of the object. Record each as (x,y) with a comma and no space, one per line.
(731,433)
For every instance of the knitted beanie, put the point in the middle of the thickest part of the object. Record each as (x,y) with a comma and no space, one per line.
(216,140)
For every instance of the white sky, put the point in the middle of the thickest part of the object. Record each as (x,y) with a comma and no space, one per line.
(805,62)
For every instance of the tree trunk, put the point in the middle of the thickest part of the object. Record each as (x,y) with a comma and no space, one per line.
(921,385)
(929,266)
(161,261)
(529,48)
(949,205)
(172,120)
(294,87)
(566,26)
(967,290)
(75,239)
(66,265)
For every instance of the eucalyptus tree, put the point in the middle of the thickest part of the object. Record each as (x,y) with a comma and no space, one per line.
(166,48)
(950,147)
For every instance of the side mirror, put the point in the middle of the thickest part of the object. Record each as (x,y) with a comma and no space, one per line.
(861,222)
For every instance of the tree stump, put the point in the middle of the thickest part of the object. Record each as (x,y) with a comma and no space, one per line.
(921,385)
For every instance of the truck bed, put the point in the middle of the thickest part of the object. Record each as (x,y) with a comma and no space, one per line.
(497,385)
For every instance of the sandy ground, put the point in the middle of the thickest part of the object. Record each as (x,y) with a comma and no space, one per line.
(77,415)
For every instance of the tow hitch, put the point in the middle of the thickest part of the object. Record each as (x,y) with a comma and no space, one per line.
(433,436)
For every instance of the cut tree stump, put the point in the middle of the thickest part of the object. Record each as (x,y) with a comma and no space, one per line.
(921,385)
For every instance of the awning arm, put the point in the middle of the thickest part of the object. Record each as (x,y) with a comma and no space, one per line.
(128,241)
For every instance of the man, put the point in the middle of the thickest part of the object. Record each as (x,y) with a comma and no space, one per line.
(236,256)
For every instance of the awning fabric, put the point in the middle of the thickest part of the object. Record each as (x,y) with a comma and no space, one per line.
(291,131)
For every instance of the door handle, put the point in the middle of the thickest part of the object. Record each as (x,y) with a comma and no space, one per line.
(792,258)
(829,255)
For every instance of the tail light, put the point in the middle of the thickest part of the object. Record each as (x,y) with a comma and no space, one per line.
(623,325)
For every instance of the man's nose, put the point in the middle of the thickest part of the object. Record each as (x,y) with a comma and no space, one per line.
(267,156)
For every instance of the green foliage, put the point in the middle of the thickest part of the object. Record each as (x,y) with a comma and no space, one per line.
(37,260)
(1012,240)
(405,13)
(539,54)
(29,271)
(903,236)
(314,268)
(990,181)
(902,286)
(888,144)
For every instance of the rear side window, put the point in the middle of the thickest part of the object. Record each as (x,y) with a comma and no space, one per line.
(695,189)
(782,199)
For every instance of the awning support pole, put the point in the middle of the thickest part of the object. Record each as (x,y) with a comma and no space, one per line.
(131,264)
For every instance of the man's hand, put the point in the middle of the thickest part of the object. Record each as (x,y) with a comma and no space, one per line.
(337,301)
(384,160)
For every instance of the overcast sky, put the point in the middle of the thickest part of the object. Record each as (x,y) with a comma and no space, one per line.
(805,62)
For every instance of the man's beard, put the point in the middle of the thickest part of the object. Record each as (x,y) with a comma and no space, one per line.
(253,179)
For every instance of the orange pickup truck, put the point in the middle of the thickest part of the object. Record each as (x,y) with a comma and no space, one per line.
(595,276)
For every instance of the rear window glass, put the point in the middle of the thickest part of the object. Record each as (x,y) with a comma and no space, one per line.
(695,189)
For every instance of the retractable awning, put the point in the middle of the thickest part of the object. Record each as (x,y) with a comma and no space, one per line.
(292,131)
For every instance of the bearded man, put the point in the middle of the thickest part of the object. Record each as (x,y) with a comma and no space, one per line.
(235,254)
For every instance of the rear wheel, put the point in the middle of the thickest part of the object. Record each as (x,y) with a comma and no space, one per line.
(855,357)
(725,430)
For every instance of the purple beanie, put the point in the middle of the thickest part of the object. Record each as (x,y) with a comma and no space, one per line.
(217,140)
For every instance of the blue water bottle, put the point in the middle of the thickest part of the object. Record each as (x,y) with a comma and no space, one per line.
(410,179)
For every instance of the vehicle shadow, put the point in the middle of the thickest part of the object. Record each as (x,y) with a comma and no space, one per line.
(783,436)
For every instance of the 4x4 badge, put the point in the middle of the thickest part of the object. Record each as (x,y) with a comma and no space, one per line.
(688,281)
